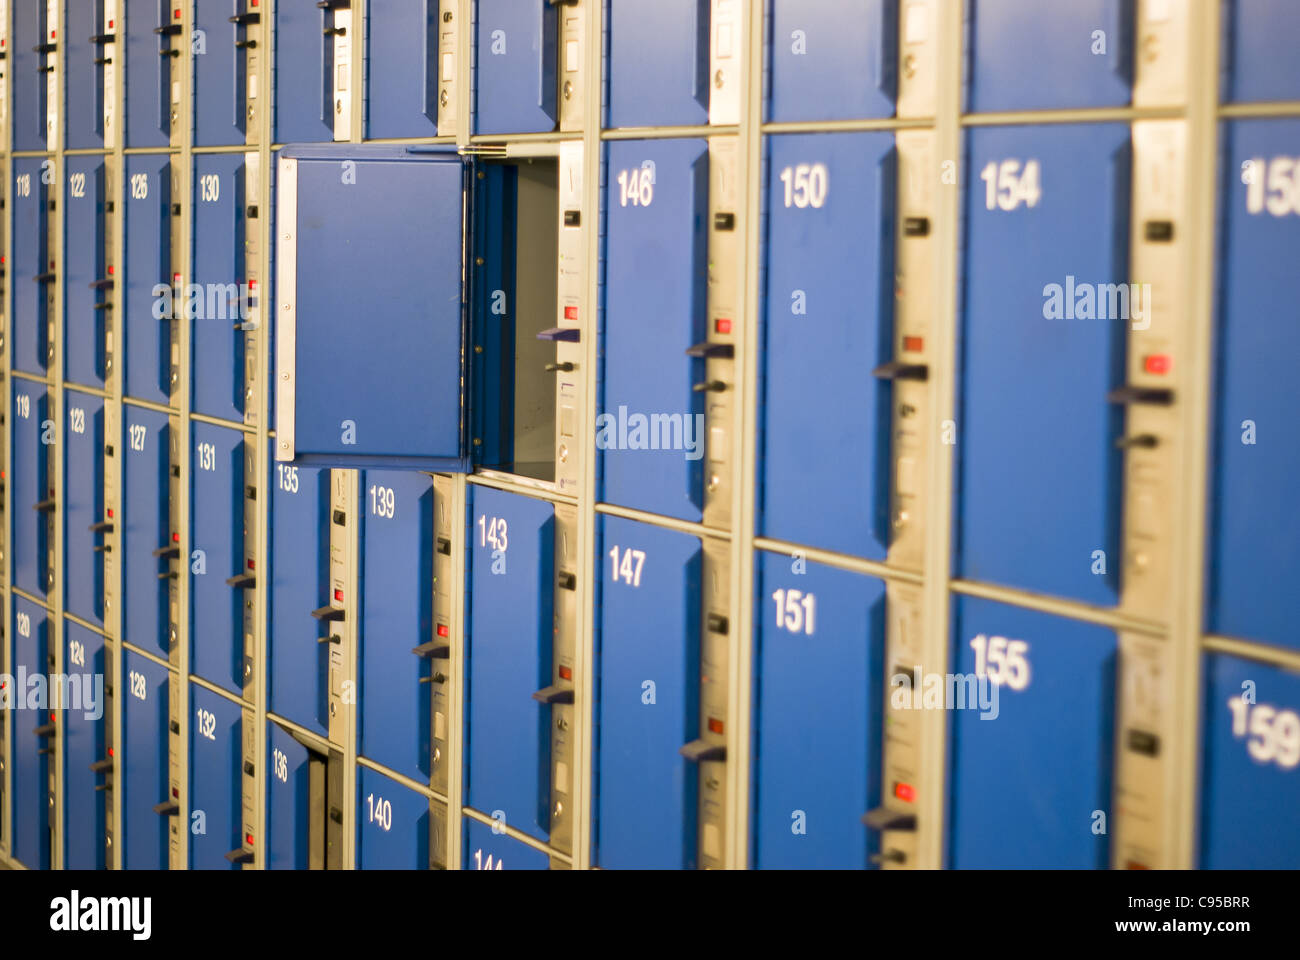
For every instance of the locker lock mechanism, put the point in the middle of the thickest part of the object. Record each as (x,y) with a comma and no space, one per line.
(898,370)
(554,694)
(698,751)
(884,818)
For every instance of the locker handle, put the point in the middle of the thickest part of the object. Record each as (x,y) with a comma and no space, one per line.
(171,552)
(554,694)
(712,351)
(434,649)
(101,786)
(101,766)
(563,3)
(564,367)
(332,638)
(245,44)
(242,581)
(898,370)
(335,31)
(444,546)
(566,580)
(242,19)
(334,4)
(45,48)
(240,855)
(45,277)
(103,305)
(169,53)
(1155,396)
(561,334)
(101,548)
(168,808)
(103,38)
(883,818)
(168,575)
(698,751)
(105,283)
(44,750)
(45,731)
(1143,441)
(710,386)
(326,614)
(170,29)
(44,506)
(100,61)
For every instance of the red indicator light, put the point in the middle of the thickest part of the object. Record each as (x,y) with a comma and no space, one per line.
(443,631)
(110,271)
(176,15)
(1158,363)
(248,838)
(54,34)
(250,565)
(110,751)
(252,284)
(570,313)
(176,793)
(54,718)
(715,725)
(1134,865)
(905,792)
(722,325)
(338,595)
(913,344)
(176,538)
(110,24)
(176,278)
(566,673)
(110,512)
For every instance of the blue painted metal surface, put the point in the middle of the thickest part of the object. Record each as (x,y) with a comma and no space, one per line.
(145,325)
(31,269)
(29,803)
(143,763)
(217,344)
(304,72)
(84,77)
(485,849)
(31,485)
(1259,61)
(219,75)
(287,799)
(402,69)
(146,461)
(658,63)
(392,824)
(215,755)
(27,78)
(85,726)
(515,66)
(149,72)
(83,505)
(86,279)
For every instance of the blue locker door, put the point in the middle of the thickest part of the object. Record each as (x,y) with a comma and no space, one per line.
(820,638)
(658,63)
(26,76)
(300,583)
(402,70)
(1032,766)
(828,311)
(392,824)
(83,500)
(215,775)
(144,763)
(1250,774)
(512,585)
(1254,524)
(85,725)
(31,272)
(218,343)
(147,261)
(217,523)
(304,66)
(1043,346)
(219,74)
(85,78)
(31,486)
(646,803)
(656,242)
(29,804)
(1259,52)
(148,71)
(1027,55)
(401,403)
(146,460)
(486,849)
(832,63)
(396,617)
(515,61)
(287,797)
(87,283)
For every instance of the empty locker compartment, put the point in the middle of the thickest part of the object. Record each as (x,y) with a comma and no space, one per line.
(88,750)
(304,69)
(1258,56)
(33,268)
(828,312)
(33,738)
(82,50)
(299,554)
(509,660)
(1028,790)
(147,325)
(217,304)
(396,620)
(85,521)
(215,780)
(488,848)
(1254,461)
(1250,786)
(88,286)
(515,76)
(216,562)
(1046,301)
(25,67)
(147,807)
(817,723)
(152,49)
(650,429)
(297,803)
(148,542)
(33,496)
(1025,55)
(657,63)
(392,824)
(648,697)
(831,63)
(225,54)
(402,69)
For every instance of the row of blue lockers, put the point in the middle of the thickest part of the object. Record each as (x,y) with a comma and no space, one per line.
(825,62)
(826,325)
(1025,789)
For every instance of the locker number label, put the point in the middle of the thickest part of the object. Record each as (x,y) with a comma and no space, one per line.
(24,624)
(636,186)
(77,419)
(77,653)
(492,533)
(806,185)
(629,569)
(1273,734)
(207,724)
(280,764)
(796,611)
(207,456)
(1002,660)
(288,478)
(381,812)
(210,188)
(485,863)
(139,186)
(137,435)
(383,502)
(1272,186)
(24,184)
(135,679)
(24,404)
(77,184)
(1007,185)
